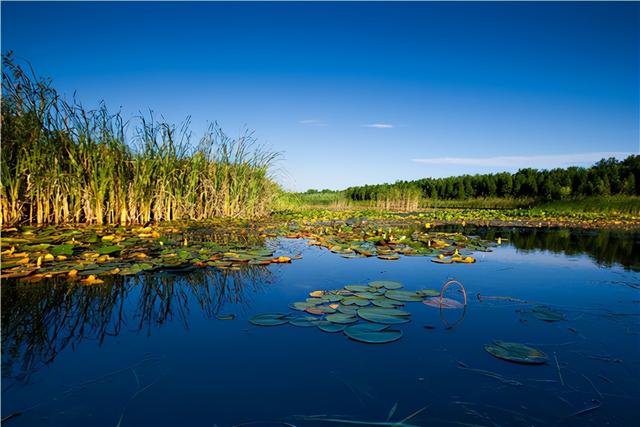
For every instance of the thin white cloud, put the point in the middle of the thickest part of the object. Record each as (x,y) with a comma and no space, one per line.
(541,161)
(378,126)
(312,122)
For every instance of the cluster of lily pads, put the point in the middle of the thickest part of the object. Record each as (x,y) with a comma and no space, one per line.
(361,240)
(364,313)
(84,254)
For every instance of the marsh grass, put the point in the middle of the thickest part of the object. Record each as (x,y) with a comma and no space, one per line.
(62,162)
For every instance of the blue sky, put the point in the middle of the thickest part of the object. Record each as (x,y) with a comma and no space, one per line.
(356,93)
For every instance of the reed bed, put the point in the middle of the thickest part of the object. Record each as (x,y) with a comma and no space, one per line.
(62,163)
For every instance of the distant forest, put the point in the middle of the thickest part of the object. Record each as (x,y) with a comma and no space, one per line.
(607,177)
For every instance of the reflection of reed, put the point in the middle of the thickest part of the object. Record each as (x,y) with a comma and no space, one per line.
(40,320)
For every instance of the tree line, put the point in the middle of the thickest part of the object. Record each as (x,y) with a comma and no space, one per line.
(607,177)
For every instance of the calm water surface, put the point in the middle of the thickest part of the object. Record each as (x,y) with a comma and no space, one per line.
(150,350)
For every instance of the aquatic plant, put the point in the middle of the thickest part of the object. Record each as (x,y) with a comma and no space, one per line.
(62,162)
(363,313)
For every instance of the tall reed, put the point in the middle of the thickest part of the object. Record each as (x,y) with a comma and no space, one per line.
(62,162)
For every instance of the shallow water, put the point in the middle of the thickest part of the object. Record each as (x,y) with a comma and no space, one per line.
(150,350)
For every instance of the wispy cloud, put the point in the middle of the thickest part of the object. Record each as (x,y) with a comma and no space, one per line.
(378,126)
(312,122)
(541,161)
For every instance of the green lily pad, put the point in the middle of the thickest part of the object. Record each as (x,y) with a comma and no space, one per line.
(387,316)
(108,250)
(386,302)
(515,352)
(366,295)
(304,322)
(300,306)
(269,319)
(357,288)
(406,296)
(428,293)
(348,309)
(387,284)
(547,314)
(341,318)
(355,301)
(372,334)
(330,327)
(331,297)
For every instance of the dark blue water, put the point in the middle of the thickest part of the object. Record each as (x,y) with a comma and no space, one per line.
(150,350)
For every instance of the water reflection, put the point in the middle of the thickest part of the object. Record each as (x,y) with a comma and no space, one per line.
(605,247)
(40,320)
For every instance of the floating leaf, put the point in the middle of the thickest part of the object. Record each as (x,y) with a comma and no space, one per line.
(386,302)
(389,257)
(304,322)
(387,284)
(403,296)
(226,316)
(320,309)
(269,319)
(366,295)
(108,250)
(62,250)
(355,301)
(387,316)
(515,352)
(372,334)
(357,288)
(300,306)
(330,327)
(341,318)
(428,293)
(348,309)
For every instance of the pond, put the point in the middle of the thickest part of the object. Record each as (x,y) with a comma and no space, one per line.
(178,348)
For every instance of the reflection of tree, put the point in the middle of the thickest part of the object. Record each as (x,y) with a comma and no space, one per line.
(606,247)
(40,320)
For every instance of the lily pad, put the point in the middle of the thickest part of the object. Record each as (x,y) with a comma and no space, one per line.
(269,319)
(387,316)
(341,318)
(108,250)
(357,288)
(62,250)
(515,352)
(428,292)
(403,296)
(387,284)
(386,302)
(372,334)
(330,327)
(355,301)
(304,322)
(348,309)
